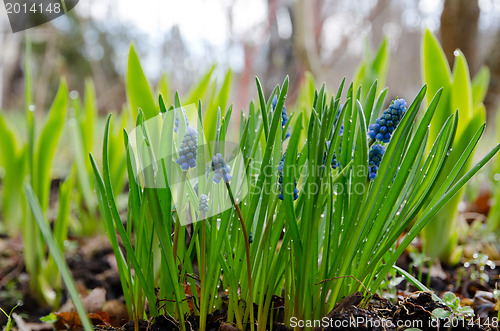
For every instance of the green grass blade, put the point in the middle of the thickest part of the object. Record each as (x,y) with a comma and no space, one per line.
(480,84)
(47,144)
(138,89)
(199,89)
(415,282)
(58,256)
(148,289)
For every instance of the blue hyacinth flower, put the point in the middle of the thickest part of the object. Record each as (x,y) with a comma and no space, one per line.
(176,123)
(284,116)
(386,124)
(374,158)
(280,180)
(334,163)
(203,206)
(221,169)
(188,149)
(334,159)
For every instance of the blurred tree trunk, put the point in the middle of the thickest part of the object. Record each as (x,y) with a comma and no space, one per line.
(493,62)
(281,59)
(459,25)
(305,38)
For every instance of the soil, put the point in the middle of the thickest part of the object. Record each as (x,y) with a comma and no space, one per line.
(94,269)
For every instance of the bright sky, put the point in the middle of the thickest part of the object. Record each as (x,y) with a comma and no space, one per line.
(199,21)
(206,21)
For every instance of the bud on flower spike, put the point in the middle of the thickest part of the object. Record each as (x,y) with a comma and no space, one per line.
(280,180)
(284,115)
(374,157)
(176,124)
(203,204)
(221,169)
(334,158)
(387,123)
(188,150)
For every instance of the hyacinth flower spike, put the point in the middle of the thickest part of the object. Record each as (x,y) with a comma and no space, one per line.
(222,172)
(284,115)
(280,180)
(386,124)
(334,159)
(187,159)
(221,169)
(188,149)
(176,124)
(203,206)
(374,158)
(334,163)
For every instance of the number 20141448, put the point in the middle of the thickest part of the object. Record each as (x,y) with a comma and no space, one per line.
(25,8)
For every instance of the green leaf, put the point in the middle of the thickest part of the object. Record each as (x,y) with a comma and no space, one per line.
(441,313)
(138,90)
(436,74)
(466,310)
(360,165)
(13,159)
(210,120)
(58,256)
(449,297)
(47,144)
(380,63)
(61,225)
(82,172)
(461,92)
(117,220)
(480,84)
(288,201)
(50,318)
(415,282)
(198,90)
(263,107)
(372,69)
(369,103)
(87,126)
(436,71)
(164,88)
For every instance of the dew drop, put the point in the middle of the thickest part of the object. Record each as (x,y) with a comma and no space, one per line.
(73,95)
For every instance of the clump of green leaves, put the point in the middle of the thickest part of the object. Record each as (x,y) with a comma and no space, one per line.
(463,96)
(31,160)
(456,310)
(10,324)
(335,237)
(477,267)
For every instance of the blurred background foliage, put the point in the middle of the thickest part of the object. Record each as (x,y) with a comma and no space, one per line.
(215,49)
(178,43)
(269,38)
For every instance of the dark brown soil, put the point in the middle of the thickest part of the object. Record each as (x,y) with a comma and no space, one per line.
(93,267)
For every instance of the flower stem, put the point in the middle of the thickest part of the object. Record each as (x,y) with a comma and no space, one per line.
(203,314)
(179,213)
(371,142)
(247,249)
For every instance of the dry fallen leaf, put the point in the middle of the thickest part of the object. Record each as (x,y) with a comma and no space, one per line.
(92,302)
(71,320)
(117,312)
(95,300)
